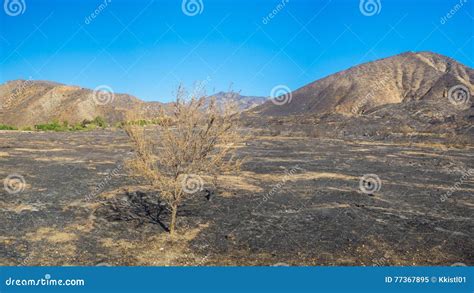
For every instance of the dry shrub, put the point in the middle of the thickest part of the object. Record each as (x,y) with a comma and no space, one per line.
(196,139)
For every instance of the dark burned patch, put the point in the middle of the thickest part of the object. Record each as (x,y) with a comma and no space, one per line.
(137,208)
(14,252)
(146,211)
(317,217)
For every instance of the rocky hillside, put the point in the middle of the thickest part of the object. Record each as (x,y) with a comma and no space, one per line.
(244,102)
(358,90)
(26,103)
(410,91)
(409,95)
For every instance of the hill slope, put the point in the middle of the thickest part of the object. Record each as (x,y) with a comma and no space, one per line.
(26,102)
(360,89)
(399,88)
(244,102)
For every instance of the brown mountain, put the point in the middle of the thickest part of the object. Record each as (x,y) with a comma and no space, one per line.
(243,102)
(395,80)
(410,87)
(26,103)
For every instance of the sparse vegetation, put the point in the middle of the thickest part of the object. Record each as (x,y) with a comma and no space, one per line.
(97,122)
(53,126)
(143,122)
(196,142)
(7,127)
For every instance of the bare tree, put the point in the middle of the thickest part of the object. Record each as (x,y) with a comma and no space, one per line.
(195,140)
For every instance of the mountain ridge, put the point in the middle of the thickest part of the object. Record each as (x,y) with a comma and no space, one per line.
(358,90)
(390,80)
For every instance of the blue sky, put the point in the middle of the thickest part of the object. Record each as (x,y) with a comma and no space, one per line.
(147,47)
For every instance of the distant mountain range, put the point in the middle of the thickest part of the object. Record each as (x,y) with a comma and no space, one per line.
(27,102)
(399,87)
(244,102)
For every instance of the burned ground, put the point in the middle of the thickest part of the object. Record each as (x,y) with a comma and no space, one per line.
(296,201)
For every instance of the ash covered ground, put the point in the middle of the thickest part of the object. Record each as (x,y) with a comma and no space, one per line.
(296,201)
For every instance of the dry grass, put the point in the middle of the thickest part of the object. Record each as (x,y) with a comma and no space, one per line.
(159,250)
(18,208)
(51,235)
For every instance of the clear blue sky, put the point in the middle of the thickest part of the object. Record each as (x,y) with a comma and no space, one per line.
(147,47)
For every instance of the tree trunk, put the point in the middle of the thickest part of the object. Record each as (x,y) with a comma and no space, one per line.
(174,210)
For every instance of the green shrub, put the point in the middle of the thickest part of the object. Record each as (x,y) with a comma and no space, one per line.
(65,126)
(99,121)
(76,127)
(7,127)
(85,122)
(142,122)
(96,122)
(53,126)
